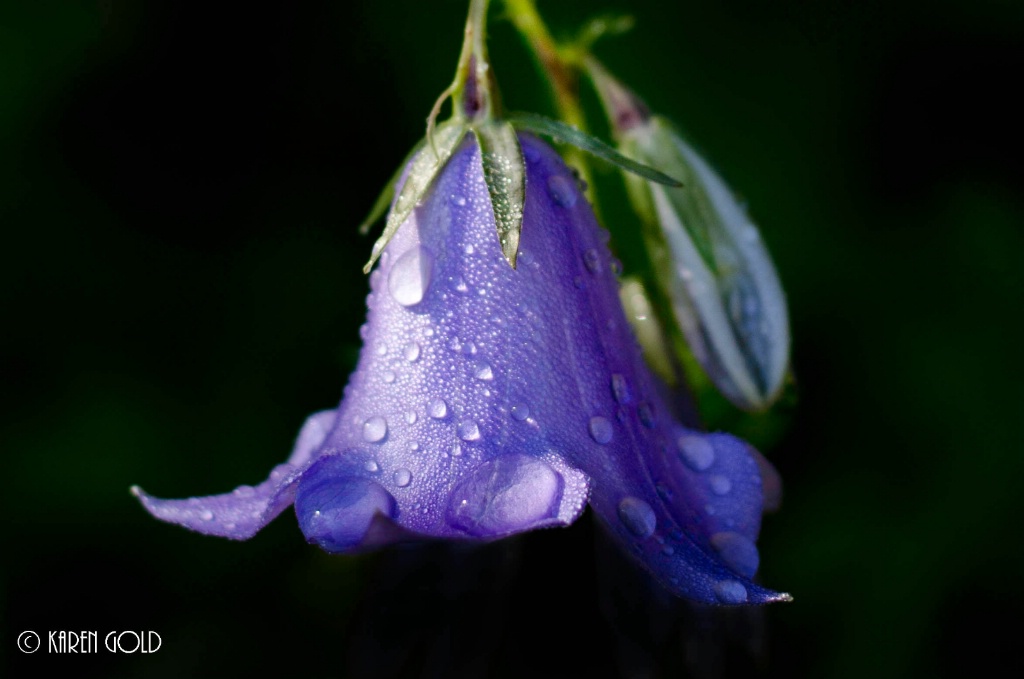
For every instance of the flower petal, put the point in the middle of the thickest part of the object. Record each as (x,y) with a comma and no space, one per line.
(241,513)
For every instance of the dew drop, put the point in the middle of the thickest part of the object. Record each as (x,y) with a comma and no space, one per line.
(646,415)
(410,417)
(375,429)
(245,491)
(600,429)
(468,430)
(482,371)
(458,200)
(520,411)
(578,282)
(206,515)
(637,516)
(456,449)
(620,388)
(411,352)
(389,376)
(730,592)
(720,485)
(592,260)
(562,190)
(737,551)
(403,477)
(410,276)
(437,409)
(469,249)
(371,467)
(696,452)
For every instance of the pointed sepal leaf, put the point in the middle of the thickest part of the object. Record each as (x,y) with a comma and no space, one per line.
(380,207)
(421,172)
(567,134)
(505,176)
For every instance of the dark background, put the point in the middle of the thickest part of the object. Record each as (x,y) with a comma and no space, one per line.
(180,283)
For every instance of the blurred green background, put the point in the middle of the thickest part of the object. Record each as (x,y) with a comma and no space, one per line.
(181,286)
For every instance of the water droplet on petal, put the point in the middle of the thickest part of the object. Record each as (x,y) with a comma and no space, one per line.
(410,417)
(720,485)
(646,415)
(620,388)
(696,452)
(437,409)
(403,477)
(601,429)
(562,190)
(520,411)
(637,516)
(592,260)
(737,551)
(411,352)
(458,200)
(206,515)
(245,491)
(375,429)
(730,592)
(482,371)
(410,276)
(468,430)
(389,376)
(456,449)
(371,467)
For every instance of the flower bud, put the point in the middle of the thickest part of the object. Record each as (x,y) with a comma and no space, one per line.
(708,256)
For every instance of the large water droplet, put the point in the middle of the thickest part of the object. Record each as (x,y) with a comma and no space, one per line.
(403,477)
(245,491)
(637,516)
(520,411)
(458,200)
(620,388)
(509,493)
(437,409)
(456,449)
(468,430)
(206,515)
(482,371)
(601,429)
(410,276)
(389,376)
(410,417)
(371,467)
(411,352)
(562,190)
(592,260)
(375,429)
(696,452)
(730,592)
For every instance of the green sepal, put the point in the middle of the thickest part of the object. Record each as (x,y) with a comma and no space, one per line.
(384,199)
(422,171)
(505,175)
(561,132)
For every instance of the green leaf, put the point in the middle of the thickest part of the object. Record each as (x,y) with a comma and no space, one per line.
(505,175)
(570,135)
(422,171)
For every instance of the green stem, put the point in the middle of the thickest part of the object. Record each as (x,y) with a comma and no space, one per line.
(562,74)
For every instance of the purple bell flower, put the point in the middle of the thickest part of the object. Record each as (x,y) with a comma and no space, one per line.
(489,401)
